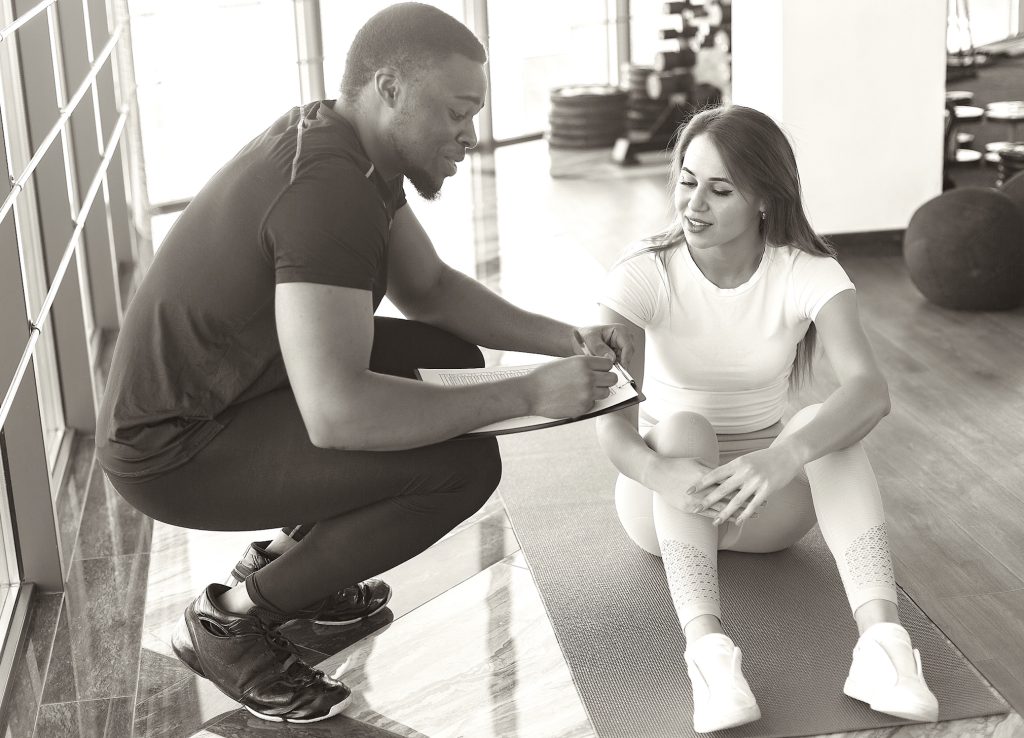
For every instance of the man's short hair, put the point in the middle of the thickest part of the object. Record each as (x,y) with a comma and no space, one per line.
(409,37)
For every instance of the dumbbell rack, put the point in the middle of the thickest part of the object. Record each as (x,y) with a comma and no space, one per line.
(662,96)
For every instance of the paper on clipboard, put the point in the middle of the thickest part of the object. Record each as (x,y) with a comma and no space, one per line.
(623,394)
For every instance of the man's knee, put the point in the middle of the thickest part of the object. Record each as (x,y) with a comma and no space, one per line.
(465,355)
(452,351)
(685,434)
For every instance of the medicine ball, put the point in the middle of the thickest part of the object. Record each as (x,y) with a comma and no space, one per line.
(1014,189)
(965,250)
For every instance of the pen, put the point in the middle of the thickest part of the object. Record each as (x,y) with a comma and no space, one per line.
(587,352)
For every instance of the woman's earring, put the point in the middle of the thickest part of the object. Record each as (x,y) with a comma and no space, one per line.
(764,216)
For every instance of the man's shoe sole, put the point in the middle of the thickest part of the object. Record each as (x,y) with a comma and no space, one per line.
(335,709)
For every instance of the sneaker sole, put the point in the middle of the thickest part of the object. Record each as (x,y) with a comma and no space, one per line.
(741,717)
(919,712)
(351,621)
(335,709)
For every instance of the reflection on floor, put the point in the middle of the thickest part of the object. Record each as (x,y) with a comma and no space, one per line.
(467,648)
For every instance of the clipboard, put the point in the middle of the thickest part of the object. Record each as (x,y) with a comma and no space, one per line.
(622,395)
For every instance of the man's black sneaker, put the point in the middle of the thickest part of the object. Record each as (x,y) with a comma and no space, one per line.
(248,659)
(350,605)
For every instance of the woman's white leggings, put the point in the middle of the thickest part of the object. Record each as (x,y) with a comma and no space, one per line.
(838,490)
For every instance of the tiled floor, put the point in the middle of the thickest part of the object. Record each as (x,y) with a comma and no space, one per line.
(467,648)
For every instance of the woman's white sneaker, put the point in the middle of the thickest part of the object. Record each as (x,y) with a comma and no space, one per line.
(886,673)
(721,696)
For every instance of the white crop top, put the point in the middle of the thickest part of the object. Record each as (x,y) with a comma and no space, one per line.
(724,353)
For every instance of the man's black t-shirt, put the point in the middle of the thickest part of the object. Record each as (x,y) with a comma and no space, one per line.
(300,203)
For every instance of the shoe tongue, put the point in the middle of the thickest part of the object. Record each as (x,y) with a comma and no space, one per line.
(888,632)
(713,642)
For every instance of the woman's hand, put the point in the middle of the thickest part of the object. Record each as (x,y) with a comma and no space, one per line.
(675,479)
(747,482)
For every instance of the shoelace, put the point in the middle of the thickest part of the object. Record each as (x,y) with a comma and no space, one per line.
(298,674)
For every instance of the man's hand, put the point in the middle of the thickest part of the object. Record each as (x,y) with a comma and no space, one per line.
(566,388)
(611,341)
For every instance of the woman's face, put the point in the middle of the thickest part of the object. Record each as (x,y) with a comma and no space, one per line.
(714,212)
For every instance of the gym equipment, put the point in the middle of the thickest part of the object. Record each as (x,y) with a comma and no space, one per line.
(1009,162)
(958,115)
(661,85)
(1010,112)
(668,34)
(706,96)
(586,116)
(1013,188)
(964,250)
(674,59)
(672,83)
(609,605)
(677,7)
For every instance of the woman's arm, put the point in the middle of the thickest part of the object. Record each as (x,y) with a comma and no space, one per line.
(618,435)
(846,416)
(862,398)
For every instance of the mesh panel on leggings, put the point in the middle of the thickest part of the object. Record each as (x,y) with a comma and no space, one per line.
(692,574)
(868,560)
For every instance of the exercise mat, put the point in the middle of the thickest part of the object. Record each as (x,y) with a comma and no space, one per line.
(609,605)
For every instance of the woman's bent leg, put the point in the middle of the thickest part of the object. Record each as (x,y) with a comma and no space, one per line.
(689,549)
(687,543)
(848,506)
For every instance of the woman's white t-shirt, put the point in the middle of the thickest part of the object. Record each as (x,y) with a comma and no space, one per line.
(724,353)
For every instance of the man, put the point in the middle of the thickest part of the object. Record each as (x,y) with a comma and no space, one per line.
(252,386)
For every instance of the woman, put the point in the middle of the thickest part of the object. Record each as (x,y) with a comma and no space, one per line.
(729,301)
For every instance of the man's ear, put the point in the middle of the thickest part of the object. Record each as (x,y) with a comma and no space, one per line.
(386,85)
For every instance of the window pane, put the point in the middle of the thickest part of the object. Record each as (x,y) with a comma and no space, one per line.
(536,45)
(210,77)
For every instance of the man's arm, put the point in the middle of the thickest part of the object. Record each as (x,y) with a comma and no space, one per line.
(326,335)
(424,288)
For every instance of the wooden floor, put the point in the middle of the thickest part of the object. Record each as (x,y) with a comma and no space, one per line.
(467,649)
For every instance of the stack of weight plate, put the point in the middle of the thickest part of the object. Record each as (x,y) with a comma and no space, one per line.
(641,110)
(586,116)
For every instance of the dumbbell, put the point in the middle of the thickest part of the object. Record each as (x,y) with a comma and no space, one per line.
(664,60)
(706,96)
(688,31)
(677,7)
(662,84)
(722,39)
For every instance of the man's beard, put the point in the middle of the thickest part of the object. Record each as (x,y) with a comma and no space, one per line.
(425,185)
(423,182)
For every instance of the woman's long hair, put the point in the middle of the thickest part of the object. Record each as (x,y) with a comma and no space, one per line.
(761,163)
